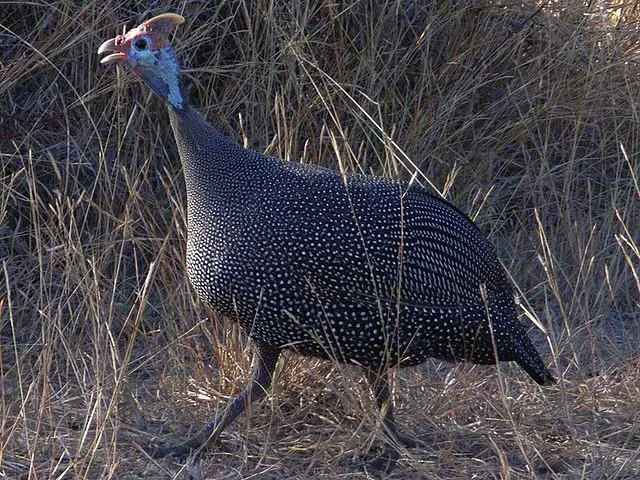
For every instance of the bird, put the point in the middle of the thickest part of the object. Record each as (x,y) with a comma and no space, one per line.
(348,267)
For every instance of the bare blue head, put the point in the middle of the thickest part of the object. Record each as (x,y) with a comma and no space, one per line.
(147,50)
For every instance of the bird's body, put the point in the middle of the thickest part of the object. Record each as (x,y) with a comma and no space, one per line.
(348,267)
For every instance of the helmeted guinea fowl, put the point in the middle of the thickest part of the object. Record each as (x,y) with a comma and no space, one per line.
(347,267)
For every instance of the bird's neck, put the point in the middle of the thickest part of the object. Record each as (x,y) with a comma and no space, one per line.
(208,157)
(164,78)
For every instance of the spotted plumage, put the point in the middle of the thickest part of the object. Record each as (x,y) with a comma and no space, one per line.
(348,267)
(355,268)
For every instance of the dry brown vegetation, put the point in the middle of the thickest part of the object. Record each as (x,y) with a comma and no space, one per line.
(527,118)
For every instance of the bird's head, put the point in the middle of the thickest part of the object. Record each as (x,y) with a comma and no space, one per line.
(147,50)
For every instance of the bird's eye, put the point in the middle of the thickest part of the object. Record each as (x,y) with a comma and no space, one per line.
(141,43)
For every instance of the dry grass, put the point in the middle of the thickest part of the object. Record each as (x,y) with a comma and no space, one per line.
(527,118)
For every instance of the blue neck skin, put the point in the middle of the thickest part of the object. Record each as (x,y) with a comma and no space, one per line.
(163,78)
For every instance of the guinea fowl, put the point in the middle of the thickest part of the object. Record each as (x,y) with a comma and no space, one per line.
(352,268)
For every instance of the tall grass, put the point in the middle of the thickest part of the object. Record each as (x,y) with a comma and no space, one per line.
(525,116)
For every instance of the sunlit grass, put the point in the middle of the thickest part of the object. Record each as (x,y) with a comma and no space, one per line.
(527,120)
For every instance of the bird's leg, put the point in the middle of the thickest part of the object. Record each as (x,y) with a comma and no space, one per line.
(379,383)
(260,382)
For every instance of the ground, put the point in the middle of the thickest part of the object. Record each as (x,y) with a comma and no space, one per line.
(524,116)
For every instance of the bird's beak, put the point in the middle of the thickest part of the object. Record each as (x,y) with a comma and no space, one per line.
(110,46)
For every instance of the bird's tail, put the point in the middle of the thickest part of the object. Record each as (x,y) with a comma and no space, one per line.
(519,347)
(532,363)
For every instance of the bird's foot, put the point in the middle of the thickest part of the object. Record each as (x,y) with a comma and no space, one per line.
(384,462)
(408,441)
(179,450)
(204,440)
